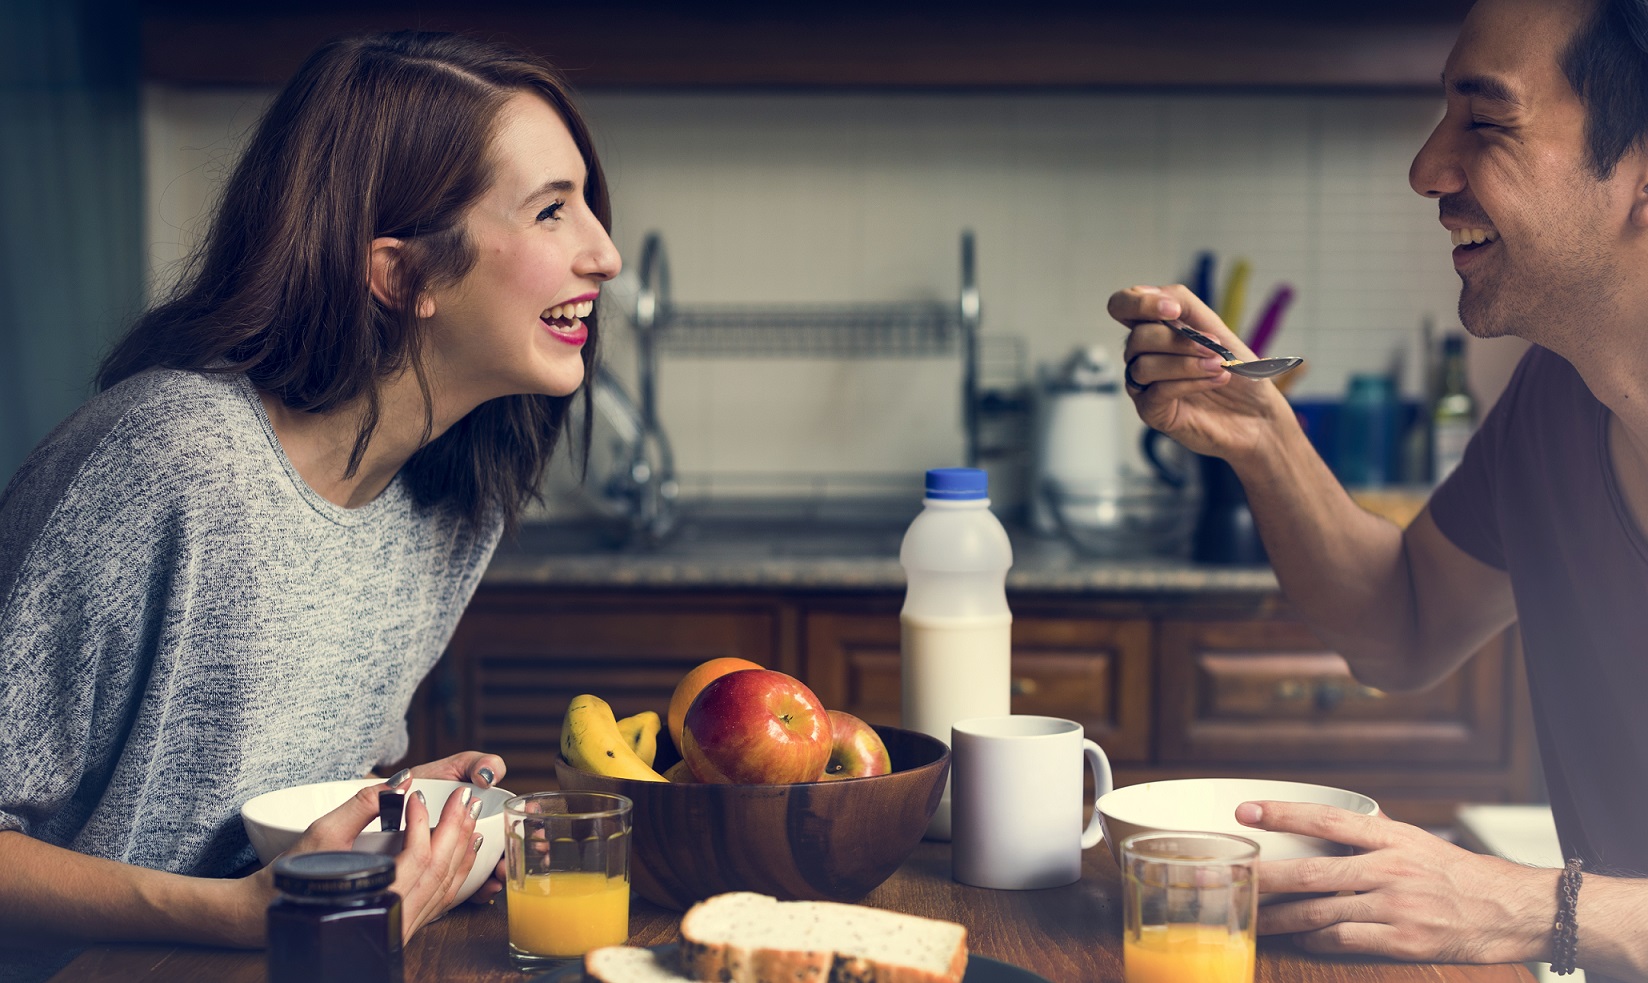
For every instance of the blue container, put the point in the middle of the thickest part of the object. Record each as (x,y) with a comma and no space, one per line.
(1369,433)
(1319,418)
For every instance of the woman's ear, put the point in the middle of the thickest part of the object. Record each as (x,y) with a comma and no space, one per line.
(385,277)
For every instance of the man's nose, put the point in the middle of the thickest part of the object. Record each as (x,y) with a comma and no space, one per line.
(1435,171)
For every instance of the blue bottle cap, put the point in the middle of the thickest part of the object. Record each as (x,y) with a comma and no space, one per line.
(957,484)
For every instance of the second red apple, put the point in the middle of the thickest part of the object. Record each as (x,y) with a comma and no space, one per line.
(856,750)
(756,727)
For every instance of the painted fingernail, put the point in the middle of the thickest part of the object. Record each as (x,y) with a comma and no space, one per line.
(475,809)
(400,776)
(421,800)
(464,795)
(486,776)
(479,839)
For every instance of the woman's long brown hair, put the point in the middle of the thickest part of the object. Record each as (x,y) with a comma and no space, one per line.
(381,135)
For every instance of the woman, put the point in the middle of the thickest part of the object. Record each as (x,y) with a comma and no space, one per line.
(228,571)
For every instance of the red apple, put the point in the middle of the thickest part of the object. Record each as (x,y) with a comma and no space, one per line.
(756,727)
(856,749)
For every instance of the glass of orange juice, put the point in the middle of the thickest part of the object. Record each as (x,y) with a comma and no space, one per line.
(568,886)
(1190,904)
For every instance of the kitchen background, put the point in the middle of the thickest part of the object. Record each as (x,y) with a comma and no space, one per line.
(788,154)
(790,195)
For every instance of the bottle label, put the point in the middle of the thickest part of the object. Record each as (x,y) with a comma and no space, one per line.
(1448,447)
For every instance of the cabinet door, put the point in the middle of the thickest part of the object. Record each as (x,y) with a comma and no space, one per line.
(1269,692)
(1092,670)
(520,656)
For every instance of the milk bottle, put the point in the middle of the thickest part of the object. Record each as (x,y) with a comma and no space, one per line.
(956,638)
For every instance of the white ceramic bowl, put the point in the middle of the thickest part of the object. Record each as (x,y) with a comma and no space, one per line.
(275,820)
(1208,805)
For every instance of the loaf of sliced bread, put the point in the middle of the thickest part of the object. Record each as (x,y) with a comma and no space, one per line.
(630,964)
(751,938)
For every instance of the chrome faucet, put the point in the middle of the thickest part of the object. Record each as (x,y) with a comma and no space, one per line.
(647,482)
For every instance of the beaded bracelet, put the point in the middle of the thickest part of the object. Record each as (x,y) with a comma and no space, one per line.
(1566,944)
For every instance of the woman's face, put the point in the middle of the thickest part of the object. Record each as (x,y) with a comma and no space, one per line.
(514,323)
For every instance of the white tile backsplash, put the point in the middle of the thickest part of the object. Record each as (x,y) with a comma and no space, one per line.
(830,198)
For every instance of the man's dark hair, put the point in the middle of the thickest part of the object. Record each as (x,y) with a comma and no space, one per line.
(379,135)
(1607,64)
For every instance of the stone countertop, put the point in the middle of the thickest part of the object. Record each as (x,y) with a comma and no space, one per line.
(758,556)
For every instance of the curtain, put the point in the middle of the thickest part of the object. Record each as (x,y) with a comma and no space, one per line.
(71,205)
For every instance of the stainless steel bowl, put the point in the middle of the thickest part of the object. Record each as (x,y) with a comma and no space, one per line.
(1124,526)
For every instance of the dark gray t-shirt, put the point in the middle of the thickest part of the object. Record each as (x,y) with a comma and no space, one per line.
(185,624)
(1536,496)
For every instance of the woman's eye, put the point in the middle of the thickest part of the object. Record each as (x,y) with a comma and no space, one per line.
(551,212)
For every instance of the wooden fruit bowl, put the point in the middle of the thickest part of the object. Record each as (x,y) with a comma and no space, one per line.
(820,841)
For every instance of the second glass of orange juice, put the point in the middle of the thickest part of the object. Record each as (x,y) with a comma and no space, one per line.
(1189,907)
(568,886)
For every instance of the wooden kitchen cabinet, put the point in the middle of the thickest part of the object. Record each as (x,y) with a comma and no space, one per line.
(520,655)
(1275,44)
(1266,697)
(1173,687)
(1092,670)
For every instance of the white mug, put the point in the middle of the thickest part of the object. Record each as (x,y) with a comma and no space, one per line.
(1016,800)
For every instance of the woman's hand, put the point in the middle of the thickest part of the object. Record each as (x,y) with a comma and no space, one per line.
(1181,388)
(430,868)
(1417,896)
(486,771)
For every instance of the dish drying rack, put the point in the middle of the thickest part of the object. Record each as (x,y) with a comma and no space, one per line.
(919,329)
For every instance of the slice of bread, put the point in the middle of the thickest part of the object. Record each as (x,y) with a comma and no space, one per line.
(751,938)
(629,964)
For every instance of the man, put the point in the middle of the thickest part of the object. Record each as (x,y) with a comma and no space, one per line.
(1541,172)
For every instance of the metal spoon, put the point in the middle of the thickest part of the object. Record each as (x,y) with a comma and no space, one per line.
(1259,368)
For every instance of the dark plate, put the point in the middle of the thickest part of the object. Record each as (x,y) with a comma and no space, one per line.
(980,969)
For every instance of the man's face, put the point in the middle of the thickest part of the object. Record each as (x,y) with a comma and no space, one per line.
(1508,166)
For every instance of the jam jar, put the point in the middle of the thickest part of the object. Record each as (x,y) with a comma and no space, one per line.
(336,920)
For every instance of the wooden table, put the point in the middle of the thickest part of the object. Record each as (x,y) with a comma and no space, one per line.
(1069,935)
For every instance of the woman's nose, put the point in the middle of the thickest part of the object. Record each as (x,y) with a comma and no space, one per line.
(599,260)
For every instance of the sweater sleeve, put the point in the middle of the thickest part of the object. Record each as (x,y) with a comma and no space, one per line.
(81,589)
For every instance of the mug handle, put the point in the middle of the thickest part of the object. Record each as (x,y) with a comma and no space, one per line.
(1171,477)
(1099,763)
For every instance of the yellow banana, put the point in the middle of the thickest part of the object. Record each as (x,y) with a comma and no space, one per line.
(590,740)
(641,731)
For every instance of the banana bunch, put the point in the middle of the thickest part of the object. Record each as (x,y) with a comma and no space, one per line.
(641,731)
(593,739)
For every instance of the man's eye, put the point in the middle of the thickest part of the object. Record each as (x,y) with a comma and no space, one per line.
(551,211)
(1481,124)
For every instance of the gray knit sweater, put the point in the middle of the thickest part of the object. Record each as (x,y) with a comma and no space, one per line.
(185,624)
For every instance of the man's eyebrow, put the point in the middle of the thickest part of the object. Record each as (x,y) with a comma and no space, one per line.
(551,188)
(1482,87)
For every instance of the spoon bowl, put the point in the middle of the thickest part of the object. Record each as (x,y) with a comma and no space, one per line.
(1258,368)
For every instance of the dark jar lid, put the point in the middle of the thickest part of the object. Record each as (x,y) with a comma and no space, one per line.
(333,874)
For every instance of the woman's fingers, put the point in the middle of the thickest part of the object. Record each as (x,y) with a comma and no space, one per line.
(433,863)
(337,829)
(477,767)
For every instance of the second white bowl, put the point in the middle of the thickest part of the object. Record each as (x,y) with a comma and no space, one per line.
(275,820)
(1208,805)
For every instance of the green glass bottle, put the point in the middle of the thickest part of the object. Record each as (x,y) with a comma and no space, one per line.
(1453,412)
